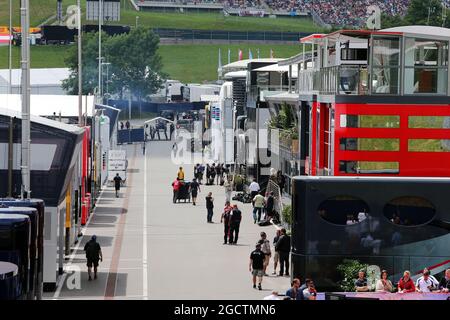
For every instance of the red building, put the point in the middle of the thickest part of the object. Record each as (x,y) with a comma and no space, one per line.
(372,102)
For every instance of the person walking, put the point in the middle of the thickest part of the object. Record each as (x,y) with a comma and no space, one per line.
(117,183)
(235,223)
(219,174)
(172,129)
(194,189)
(201,170)
(256,265)
(283,246)
(276,255)
(93,255)
(209,207)
(281,181)
(254,188)
(225,218)
(127,125)
(265,248)
(180,174)
(208,174)
(258,204)
(176,188)
(213,173)
(121,125)
(228,190)
(270,204)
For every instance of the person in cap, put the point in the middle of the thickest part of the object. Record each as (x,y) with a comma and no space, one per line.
(93,255)
(256,265)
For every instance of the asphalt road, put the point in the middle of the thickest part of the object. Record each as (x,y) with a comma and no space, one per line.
(154,249)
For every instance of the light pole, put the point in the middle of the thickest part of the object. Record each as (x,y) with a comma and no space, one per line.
(107,64)
(80,69)
(25,66)
(10,48)
(100,21)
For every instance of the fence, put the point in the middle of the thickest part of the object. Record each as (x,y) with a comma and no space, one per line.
(192,34)
(130,136)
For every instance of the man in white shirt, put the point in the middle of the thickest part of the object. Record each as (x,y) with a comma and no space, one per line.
(273,296)
(254,188)
(427,283)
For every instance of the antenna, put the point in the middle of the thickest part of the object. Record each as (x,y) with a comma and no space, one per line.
(444,13)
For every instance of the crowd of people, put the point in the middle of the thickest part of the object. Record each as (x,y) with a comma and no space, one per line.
(352,12)
(231,217)
(333,12)
(426,283)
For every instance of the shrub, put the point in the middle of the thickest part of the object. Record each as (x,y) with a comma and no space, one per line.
(349,270)
(287,214)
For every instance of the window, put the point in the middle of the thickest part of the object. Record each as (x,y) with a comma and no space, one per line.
(369,167)
(354,54)
(343,210)
(369,121)
(428,145)
(369,144)
(385,65)
(409,211)
(429,122)
(426,65)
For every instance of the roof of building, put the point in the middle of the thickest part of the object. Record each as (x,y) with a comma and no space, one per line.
(422,30)
(48,76)
(49,105)
(43,121)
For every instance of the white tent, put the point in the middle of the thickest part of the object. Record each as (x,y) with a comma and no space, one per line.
(49,105)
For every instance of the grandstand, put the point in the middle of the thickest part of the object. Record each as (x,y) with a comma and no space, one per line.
(329,12)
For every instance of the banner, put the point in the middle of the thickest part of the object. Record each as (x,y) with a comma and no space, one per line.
(251,13)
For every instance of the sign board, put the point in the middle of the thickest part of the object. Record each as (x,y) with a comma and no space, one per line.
(111,10)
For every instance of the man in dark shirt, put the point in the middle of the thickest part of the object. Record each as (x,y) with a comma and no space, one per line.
(269,206)
(361,282)
(444,284)
(235,222)
(256,265)
(93,255)
(283,246)
(117,182)
(209,207)
(195,188)
(226,215)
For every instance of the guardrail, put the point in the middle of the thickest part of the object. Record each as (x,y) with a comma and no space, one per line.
(194,34)
(343,79)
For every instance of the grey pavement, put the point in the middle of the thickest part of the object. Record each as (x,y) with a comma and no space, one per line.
(154,249)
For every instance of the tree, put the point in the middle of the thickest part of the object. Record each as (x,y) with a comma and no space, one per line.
(90,64)
(424,12)
(135,63)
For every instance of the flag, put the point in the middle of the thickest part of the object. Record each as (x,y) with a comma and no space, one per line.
(219,65)
(229,56)
(271,54)
(240,55)
(250,56)
(258,53)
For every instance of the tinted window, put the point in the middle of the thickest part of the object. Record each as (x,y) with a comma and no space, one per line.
(343,210)
(409,211)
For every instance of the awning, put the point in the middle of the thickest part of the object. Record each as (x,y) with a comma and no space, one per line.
(277,68)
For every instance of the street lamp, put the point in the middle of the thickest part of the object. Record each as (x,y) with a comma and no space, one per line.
(107,64)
